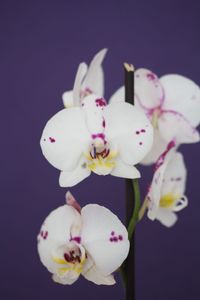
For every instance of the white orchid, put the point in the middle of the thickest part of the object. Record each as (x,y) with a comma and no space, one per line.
(89,80)
(95,137)
(92,242)
(172,104)
(166,193)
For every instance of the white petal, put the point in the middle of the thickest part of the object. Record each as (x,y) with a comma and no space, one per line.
(94,275)
(175,176)
(125,171)
(68,100)
(55,232)
(104,237)
(159,145)
(167,217)
(129,130)
(69,279)
(148,89)
(82,70)
(118,96)
(182,95)
(64,138)
(94,79)
(173,125)
(71,178)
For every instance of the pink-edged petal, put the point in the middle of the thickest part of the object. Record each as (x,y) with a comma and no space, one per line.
(125,171)
(93,274)
(58,228)
(129,130)
(159,146)
(167,217)
(64,138)
(104,237)
(70,200)
(68,99)
(182,95)
(118,96)
(81,73)
(173,125)
(71,178)
(94,79)
(148,89)
(174,180)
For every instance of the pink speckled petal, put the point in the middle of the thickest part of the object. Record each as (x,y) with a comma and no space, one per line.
(129,130)
(64,138)
(148,89)
(175,176)
(104,237)
(173,125)
(182,95)
(155,190)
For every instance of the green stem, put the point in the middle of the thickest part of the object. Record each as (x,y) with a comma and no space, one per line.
(134,218)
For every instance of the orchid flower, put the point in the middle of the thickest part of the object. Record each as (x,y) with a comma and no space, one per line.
(172,104)
(89,80)
(166,193)
(99,138)
(90,241)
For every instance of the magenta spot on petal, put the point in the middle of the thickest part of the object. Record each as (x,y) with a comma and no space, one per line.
(178,179)
(137,132)
(111,239)
(98,135)
(143,130)
(52,140)
(115,239)
(112,233)
(76,239)
(44,140)
(120,237)
(104,123)
(151,76)
(140,143)
(101,102)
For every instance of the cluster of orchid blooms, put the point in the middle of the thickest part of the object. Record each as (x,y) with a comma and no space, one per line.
(89,135)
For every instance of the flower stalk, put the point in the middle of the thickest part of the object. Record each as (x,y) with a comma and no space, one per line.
(130,201)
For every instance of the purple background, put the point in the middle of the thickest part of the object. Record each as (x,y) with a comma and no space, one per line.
(42,43)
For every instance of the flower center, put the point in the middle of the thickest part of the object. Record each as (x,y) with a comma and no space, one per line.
(71,258)
(101,160)
(168,200)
